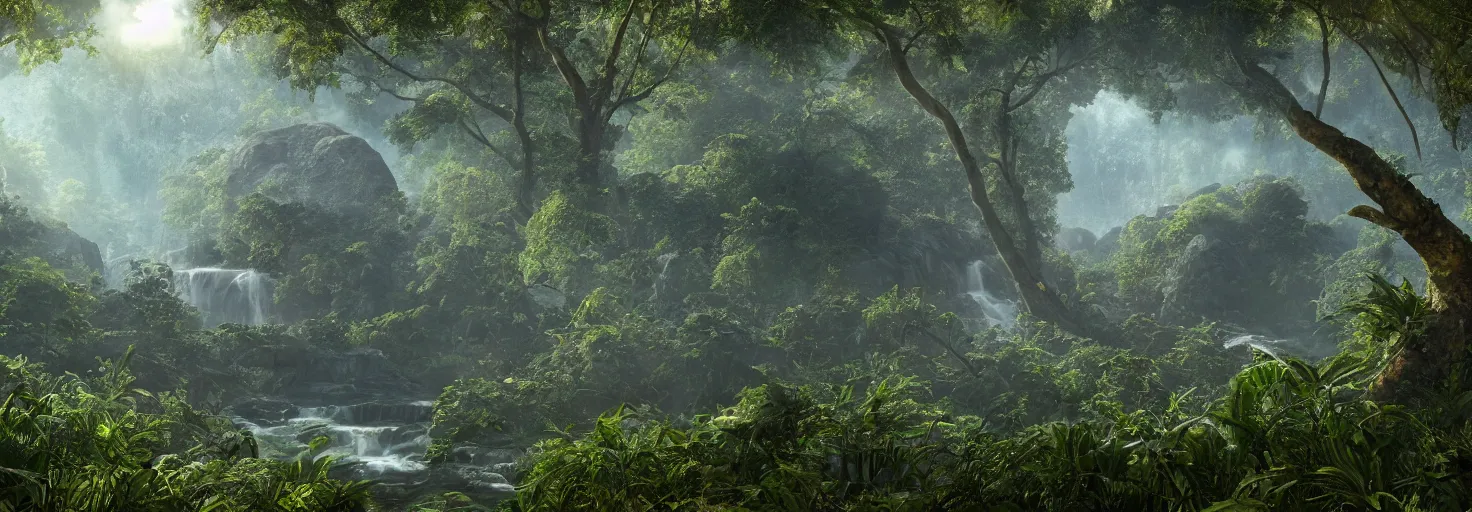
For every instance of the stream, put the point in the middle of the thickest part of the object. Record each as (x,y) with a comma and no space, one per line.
(376,420)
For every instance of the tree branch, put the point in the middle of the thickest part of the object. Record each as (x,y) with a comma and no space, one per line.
(480,137)
(564,65)
(1043,79)
(498,110)
(623,90)
(1323,86)
(610,62)
(943,344)
(1386,82)
(641,95)
(1375,217)
(518,122)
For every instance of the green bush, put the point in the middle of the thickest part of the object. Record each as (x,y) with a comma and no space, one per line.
(95,444)
(1287,436)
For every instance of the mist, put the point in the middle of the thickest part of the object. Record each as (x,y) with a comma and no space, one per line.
(458,256)
(108,129)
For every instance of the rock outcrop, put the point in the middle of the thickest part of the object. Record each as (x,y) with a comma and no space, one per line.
(1203,284)
(67,247)
(316,164)
(1075,239)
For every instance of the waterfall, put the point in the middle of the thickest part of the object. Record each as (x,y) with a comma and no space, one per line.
(661,281)
(227,295)
(999,312)
(388,442)
(1262,343)
(115,269)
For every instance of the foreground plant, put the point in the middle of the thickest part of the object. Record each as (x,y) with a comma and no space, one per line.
(93,444)
(1288,436)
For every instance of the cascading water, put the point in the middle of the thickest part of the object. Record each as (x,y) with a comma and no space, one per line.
(999,312)
(115,269)
(227,295)
(381,441)
(1261,343)
(662,281)
(377,440)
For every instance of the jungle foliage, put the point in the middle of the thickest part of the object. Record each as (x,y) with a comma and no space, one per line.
(718,256)
(98,443)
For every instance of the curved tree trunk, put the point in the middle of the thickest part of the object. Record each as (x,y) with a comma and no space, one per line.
(1031,237)
(1040,299)
(1431,361)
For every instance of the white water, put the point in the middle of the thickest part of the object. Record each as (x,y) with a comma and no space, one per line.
(374,450)
(999,312)
(1261,343)
(227,295)
(662,280)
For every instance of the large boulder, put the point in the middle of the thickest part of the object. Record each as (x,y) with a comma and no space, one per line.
(316,164)
(1204,284)
(1209,189)
(1073,240)
(66,247)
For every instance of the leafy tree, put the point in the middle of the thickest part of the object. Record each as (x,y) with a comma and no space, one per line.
(1230,45)
(41,29)
(485,69)
(1020,51)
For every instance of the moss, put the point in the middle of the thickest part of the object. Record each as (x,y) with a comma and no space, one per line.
(563,242)
(1257,230)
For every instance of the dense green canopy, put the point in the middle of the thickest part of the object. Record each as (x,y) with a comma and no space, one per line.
(738,255)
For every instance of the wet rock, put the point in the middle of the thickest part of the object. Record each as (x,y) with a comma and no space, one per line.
(372,413)
(484,456)
(67,247)
(265,410)
(1201,284)
(323,376)
(1107,244)
(314,163)
(1076,239)
(471,479)
(1209,189)
(404,435)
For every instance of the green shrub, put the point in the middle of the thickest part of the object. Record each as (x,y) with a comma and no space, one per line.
(68,443)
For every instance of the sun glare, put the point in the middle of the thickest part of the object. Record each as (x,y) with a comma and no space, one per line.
(154,23)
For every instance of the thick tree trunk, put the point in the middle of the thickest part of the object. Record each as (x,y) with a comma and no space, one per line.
(527,188)
(1040,299)
(1434,360)
(590,150)
(1032,246)
(590,98)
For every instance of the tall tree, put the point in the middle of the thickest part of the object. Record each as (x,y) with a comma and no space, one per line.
(483,66)
(1008,58)
(1244,48)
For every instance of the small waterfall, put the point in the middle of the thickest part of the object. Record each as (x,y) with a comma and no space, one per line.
(999,312)
(1262,343)
(115,269)
(382,446)
(662,281)
(227,295)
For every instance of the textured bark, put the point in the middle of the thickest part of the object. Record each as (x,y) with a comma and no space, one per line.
(1016,196)
(594,110)
(527,188)
(1431,361)
(1040,299)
